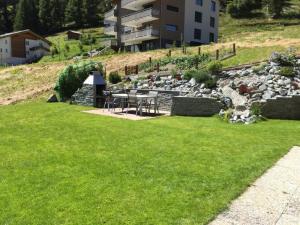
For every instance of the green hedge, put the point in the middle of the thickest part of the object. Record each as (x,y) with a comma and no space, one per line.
(73,76)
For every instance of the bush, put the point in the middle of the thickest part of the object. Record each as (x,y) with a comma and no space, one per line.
(201,76)
(188,75)
(215,67)
(284,59)
(114,78)
(73,76)
(287,71)
(211,83)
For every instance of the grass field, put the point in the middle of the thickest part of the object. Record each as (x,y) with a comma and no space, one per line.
(61,166)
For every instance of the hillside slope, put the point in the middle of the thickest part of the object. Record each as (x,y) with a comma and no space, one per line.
(256,39)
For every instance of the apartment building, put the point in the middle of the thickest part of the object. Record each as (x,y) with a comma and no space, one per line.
(22,47)
(140,25)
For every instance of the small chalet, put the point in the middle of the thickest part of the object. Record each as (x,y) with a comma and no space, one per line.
(74,35)
(22,47)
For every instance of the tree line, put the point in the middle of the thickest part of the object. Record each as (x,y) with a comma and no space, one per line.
(245,8)
(49,16)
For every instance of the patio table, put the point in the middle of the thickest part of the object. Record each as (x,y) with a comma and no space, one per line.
(139,97)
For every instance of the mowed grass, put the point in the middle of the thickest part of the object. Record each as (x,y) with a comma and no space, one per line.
(61,166)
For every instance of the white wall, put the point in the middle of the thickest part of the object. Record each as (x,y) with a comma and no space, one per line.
(5,50)
(30,54)
(190,8)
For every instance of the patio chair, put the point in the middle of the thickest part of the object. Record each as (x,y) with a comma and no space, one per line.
(151,102)
(110,102)
(133,102)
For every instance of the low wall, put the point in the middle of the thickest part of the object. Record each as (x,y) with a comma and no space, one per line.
(188,106)
(165,98)
(282,108)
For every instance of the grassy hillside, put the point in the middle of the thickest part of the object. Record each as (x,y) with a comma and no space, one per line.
(256,39)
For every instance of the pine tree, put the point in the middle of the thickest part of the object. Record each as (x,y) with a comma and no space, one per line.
(26,16)
(276,7)
(75,12)
(91,12)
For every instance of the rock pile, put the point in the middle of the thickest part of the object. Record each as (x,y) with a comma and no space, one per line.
(237,89)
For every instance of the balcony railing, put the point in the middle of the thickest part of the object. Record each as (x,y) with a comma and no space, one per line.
(140,17)
(110,43)
(141,35)
(111,15)
(135,4)
(111,30)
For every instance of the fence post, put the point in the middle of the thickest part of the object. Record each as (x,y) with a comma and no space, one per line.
(234,49)
(126,70)
(137,69)
(104,75)
(217,54)
(170,53)
(199,50)
(150,60)
(158,67)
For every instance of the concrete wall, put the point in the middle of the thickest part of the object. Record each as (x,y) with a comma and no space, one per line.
(188,106)
(190,8)
(282,108)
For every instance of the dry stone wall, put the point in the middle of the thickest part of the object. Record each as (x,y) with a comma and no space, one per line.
(282,108)
(192,106)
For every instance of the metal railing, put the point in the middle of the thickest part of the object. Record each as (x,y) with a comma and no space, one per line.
(110,14)
(110,29)
(126,2)
(151,12)
(148,32)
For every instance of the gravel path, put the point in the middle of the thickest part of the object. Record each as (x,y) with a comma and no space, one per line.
(274,199)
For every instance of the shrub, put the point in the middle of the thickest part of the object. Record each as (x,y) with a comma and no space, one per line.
(215,67)
(73,76)
(257,69)
(189,74)
(287,71)
(201,76)
(284,59)
(114,78)
(211,83)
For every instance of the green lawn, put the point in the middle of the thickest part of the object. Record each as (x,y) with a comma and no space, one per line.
(61,166)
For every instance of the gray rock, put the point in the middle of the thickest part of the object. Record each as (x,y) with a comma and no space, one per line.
(268,95)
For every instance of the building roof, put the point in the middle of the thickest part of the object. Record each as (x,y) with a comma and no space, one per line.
(75,32)
(22,32)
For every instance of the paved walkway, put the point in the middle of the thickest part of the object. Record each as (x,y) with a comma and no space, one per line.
(274,199)
(131,115)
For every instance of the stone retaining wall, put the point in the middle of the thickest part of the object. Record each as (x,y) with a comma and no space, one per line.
(282,108)
(165,98)
(189,106)
(84,96)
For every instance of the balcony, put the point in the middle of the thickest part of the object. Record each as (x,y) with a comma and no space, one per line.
(111,30)
(110,43)
(135,4)
(138,18)
(138,37)
(111,15)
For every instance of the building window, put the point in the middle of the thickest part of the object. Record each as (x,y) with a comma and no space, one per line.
(0,49)
(171,27)
(199,2)
(197,34)
(213,6)
(172,8)
(27,43)
(6,50)
(212,21)
(6,42)
(211,37)
(198,17)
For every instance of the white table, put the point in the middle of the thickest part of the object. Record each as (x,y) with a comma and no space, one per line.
(139,97)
